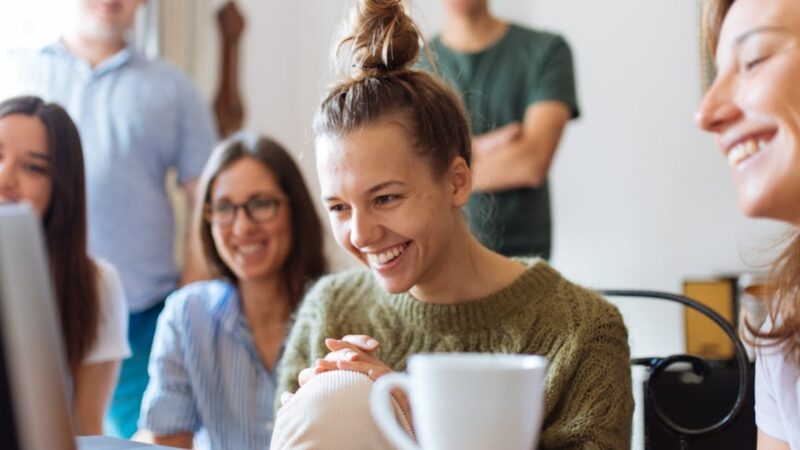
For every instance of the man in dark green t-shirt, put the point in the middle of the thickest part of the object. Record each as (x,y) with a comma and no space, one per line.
(519,87)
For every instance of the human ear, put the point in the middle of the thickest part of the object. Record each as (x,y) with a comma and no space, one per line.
(459,178)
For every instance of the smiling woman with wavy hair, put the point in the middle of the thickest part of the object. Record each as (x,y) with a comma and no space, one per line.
(753,109)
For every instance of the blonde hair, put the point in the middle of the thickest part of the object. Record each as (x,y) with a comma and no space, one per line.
(714,12)
(380,47)
(782,293)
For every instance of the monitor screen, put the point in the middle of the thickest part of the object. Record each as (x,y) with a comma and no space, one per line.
(34,408)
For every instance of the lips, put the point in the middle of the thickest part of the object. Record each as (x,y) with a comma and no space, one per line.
(745,147)
(744,150)
(250,249)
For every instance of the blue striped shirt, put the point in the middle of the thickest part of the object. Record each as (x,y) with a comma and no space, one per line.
(206,374)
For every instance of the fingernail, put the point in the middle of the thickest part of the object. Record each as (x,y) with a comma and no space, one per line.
(372,342)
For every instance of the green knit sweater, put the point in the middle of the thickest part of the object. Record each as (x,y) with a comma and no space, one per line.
(588,401)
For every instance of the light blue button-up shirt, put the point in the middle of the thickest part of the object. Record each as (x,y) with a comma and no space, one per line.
(137,118)
(206,376)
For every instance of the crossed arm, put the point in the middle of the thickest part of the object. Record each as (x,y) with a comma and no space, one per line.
(519,155)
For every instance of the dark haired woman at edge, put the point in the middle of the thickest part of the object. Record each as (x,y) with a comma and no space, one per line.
(41,162)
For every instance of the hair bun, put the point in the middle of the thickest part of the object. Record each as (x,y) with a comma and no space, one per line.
(380,38)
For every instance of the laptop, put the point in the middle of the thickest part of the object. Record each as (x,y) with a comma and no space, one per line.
(34,408)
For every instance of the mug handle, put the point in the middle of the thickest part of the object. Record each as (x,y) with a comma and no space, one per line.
(380,401)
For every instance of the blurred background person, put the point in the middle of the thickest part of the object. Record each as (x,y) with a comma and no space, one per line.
(217,342)
(519,88)
(138,119)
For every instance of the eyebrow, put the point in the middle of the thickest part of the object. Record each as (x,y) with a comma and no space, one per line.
(765,29)
(378,187)
(39,155)
(382,186)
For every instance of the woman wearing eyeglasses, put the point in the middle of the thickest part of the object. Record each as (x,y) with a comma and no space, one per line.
(217,342)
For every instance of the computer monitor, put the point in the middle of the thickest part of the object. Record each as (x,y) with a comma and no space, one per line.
(34,407)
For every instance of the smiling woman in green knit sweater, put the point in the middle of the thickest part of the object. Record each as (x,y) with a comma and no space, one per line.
(393,158)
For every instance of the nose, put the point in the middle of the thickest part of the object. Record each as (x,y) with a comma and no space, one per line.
(363,229)
(718,109)
(8,175)
(242,223)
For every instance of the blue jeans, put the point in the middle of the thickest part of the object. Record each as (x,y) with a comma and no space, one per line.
(123,415)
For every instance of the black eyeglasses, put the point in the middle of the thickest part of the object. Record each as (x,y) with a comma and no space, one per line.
(259,209)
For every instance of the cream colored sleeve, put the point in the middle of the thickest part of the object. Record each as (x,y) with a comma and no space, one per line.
(331,412)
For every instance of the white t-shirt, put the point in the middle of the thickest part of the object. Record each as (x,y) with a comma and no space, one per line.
(778,396)
(112,330)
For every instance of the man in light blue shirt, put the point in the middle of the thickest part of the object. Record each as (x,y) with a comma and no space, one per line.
(138,119)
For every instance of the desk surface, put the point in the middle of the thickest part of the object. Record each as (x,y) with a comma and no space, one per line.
(108,443)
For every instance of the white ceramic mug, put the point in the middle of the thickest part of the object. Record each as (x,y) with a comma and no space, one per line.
(465,401)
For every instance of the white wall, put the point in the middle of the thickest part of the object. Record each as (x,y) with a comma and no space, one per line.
(641,197)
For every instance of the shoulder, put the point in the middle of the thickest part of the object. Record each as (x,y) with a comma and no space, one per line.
(772,364)
(107,275)
(156,67)
(21,57)
(160,72)
(340,292)
(543,38)
(343,284)
(32,56)
(21,66)
(581,306)
(538,44)
(111,341)
(777,393)
(111,295)
(197,300)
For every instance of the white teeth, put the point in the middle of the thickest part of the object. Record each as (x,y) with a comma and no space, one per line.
(744,150)
(379,259)
(250,249)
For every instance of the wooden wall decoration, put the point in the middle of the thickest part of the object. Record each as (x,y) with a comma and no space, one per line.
(228,106)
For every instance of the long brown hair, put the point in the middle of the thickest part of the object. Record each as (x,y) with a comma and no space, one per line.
(73,272)
(380,47)
(306,261)
(782,292)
